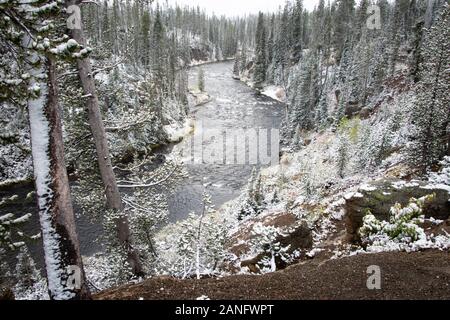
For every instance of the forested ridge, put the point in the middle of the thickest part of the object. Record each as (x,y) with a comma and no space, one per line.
(94,95)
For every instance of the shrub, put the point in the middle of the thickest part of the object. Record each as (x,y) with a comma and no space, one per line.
(403,225)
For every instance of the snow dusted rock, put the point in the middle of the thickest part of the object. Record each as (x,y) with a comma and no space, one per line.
(199,98)
(294,240)
(298,237)
(352,109)
(6,294)
(286,160)
(295,235)
(380,196)
(202,98)
(365,113)
(276,93)
(201,53)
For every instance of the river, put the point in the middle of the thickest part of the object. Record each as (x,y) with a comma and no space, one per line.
(233,106)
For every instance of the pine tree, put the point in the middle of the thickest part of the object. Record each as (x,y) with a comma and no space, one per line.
(200,246)
(106,29)
(361,70)
(201,80)
(271,41)
(243,62)
(27,275)
(159,53)
(6,279)
(342,155)
(270,76)
(305,94)
(361,19)
(322,111)
(431,111)
(39,45)
(259,76)
(297,30)
(113,197)
(416,56)
(343,25)
(145,25)
(266,240)
(236,64)
(394,39)
(251,204)
(281,49)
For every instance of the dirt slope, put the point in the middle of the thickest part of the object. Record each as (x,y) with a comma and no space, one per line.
(419,275)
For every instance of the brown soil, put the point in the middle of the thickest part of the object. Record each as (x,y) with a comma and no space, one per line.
(418,275)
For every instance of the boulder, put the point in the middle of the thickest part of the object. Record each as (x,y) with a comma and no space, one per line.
(198,98)
(296,234)
(297,238)
(337,95)
(352,109)
(365,113)
(6,294)
(379,197)
(281,94)
(200,53)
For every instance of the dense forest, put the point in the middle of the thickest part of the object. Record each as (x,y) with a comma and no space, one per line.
(91,93)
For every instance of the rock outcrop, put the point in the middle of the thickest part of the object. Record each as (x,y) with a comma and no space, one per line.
(296,235)
(380,196)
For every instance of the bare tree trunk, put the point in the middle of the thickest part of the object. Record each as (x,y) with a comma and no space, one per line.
(65,273)
(448,144)
(448,135)
(114,200)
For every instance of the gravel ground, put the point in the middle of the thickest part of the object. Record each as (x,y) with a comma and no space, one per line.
(418,275)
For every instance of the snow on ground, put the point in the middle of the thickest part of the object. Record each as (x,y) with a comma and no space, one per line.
(308,184)
(198,98)
(15,151)
(195,63)
(441,179)
(275,92)
(175,132)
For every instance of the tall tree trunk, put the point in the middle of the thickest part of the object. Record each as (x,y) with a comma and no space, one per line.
(65,273)
(448,142)
(447,130)
(114,200)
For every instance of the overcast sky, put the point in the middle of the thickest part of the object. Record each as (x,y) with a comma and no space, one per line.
(239,7)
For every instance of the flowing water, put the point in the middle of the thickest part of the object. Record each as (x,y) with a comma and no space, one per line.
(233,106)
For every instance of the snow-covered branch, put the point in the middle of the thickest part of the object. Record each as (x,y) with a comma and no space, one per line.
(148,185)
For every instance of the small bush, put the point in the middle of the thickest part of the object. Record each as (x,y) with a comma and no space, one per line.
(403,225)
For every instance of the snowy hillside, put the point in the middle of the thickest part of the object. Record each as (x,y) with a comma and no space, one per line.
(136,163)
